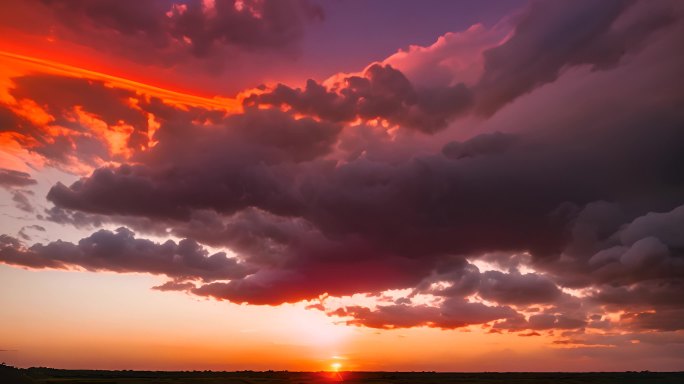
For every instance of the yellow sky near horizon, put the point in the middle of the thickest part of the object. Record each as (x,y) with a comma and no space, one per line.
(70,319)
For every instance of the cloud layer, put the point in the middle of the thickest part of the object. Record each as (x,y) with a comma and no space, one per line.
(166,33)
(536,188)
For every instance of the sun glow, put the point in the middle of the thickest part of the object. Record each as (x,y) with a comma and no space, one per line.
(335,371)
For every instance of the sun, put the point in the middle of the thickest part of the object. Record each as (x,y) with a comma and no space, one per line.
(336,367)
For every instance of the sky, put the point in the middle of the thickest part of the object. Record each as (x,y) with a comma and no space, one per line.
(384,185)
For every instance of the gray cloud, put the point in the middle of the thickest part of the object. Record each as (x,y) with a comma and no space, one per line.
(546,41)
(22,201)
(10,178)
(120,251)
(381,93)
(453,313)
(165,33)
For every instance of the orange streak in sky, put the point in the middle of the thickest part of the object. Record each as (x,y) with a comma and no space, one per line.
(231,105)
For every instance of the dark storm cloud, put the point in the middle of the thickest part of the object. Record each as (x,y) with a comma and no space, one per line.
(382,92)
(635,266)
(639,264)
(400,216)
(481,145)
(461,278)
(274,286)
(312,214)
(10,178)
(172,31)
(249,161)
(120,251)
(646,295)
(547,39)
(585,193)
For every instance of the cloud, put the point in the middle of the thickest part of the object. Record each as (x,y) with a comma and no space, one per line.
(381,93)
(455,57)
(660,320)
(166,33)
(22,201)
(10,178)
(634,266)
(253,154)
(75,123)
(273,188)
(546,40)
(121,252)
(666,226)
(516,288)
(60,94)
(481,145)
(645,250)
(496,73)
(453,313)
(34,227)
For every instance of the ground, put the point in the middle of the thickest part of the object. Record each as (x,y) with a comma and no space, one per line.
(10,375)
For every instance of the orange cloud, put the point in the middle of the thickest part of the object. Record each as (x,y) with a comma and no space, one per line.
(30,64)
(34,124)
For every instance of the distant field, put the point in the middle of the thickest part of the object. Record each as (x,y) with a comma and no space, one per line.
(10,375)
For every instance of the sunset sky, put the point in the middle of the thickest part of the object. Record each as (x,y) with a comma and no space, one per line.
(381,184)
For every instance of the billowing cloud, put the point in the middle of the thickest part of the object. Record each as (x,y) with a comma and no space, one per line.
(560,213)
(547,40)
(515,288)
(165,32)
(246,162)
(445,85)
(456,57)
(274,188)
(120,251)
(382,92)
